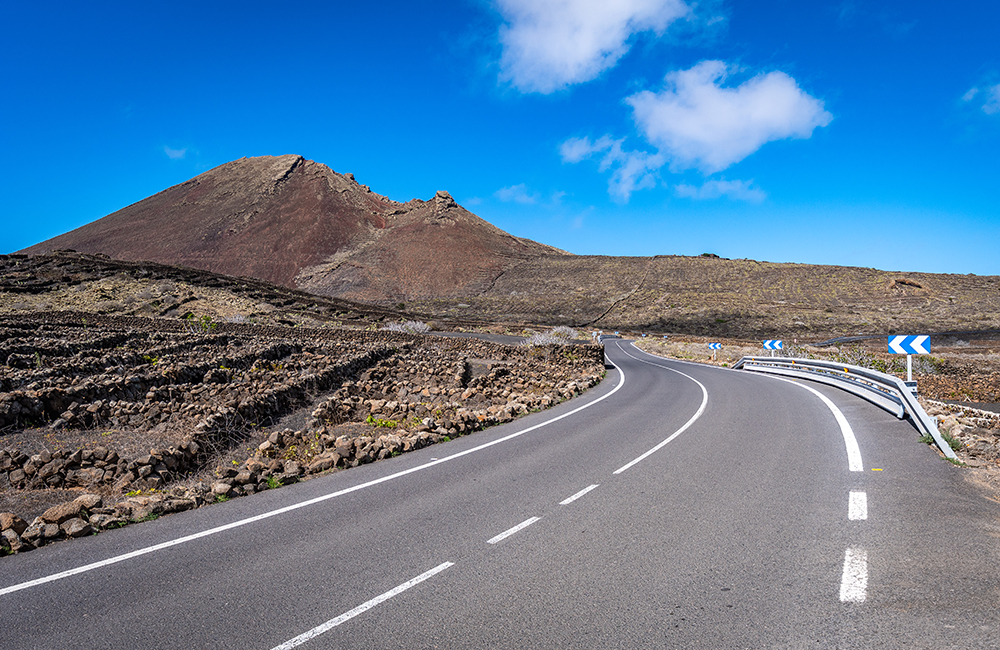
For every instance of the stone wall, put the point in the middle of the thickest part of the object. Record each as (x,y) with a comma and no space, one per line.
(395,392)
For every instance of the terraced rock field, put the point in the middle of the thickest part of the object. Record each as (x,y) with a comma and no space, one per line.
(155,415)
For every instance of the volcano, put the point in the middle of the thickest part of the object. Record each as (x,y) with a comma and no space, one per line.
(298,223)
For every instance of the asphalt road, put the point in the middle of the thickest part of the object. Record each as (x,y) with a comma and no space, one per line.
(673,506)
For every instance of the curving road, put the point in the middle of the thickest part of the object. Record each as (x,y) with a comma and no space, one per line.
(676,505)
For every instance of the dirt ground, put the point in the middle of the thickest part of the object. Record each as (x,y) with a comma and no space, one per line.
(963,369)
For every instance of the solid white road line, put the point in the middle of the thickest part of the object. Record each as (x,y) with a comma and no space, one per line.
(360,609)
(854,583)
(853,452)
(576,496)
(857,507)
(854,463)
(302,504)
(507,533)
(701,409)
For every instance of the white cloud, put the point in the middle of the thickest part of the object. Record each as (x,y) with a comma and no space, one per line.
(695,122)
(631,170)
(515,194)
(700,124)
(737,190)
(574,150)
(174,154)
(635,170)
(992,105)
(551,44)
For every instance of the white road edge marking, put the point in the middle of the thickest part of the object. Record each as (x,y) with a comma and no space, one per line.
(360,609)
(701,409)
(854,583)
(576,496)
(280,511)
(857,507)
(850,442)
(507,533)
(853,452)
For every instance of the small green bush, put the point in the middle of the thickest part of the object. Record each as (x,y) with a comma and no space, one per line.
(379,422)
(199,324)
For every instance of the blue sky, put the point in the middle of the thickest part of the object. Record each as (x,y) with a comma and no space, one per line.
(851,133)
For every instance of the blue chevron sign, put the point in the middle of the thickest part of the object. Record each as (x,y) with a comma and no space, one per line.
(910,344)
(714,346)
(772,345)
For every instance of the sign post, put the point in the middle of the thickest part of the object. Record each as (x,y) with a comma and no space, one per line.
(773,345)
(713,347)
(910,345)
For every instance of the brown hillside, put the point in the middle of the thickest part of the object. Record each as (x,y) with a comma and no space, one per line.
(428,249)
(300,224)
(703,295)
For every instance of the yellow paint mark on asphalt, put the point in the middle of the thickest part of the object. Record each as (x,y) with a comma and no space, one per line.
(876,469)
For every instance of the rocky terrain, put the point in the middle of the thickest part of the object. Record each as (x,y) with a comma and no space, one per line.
(299,224)
(68,281)
(142,417)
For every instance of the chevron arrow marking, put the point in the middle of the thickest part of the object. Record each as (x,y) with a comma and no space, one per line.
(910,344)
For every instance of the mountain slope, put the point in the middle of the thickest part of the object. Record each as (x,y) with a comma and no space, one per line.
(669,293)
(300,224)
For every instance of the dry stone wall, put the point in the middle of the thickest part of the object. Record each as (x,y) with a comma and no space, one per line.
(977,431)
(364,396)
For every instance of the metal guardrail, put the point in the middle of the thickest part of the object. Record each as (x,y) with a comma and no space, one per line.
(885,391)
(934,335)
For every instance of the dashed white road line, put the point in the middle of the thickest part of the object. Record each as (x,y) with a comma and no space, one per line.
(360,609)
(854,583)
(566,502)
(507,533)
(857,506)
